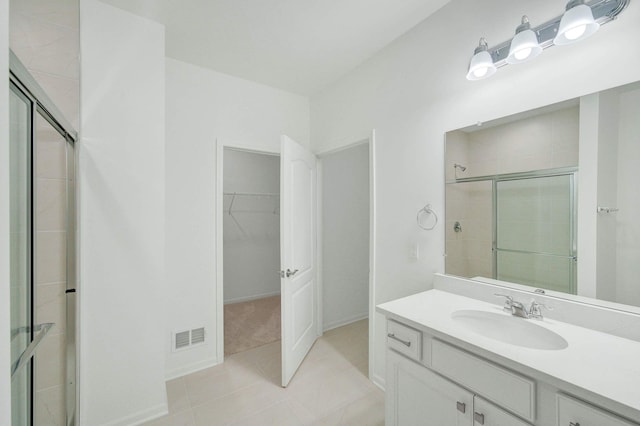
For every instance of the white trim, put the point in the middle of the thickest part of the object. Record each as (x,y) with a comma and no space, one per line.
(319,242)
(372,255)
(221,144)
(219,197)
(361,141)
(5,214)
(141,417)
(379,381)
(252,297)
(346,321)
(191,368)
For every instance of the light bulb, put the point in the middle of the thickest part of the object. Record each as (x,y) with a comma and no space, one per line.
(480,72)
(576,32)
(525,45)
(523,54)
(481,65)
(576,24)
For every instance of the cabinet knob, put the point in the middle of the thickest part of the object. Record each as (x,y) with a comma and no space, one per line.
(574,424)
(478,418)
(462,407)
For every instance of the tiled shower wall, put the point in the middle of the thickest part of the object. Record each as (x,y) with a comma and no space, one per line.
(44,34)
(51,262)
(544,141)
(469,250)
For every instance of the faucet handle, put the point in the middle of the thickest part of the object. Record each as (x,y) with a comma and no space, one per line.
(535,310)
(508,303)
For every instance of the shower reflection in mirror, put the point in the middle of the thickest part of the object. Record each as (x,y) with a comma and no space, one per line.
(514,206)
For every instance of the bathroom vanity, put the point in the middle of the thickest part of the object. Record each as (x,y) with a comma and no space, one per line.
(453,360)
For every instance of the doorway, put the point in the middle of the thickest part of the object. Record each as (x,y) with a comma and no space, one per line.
(301,279)
(346,242)
(251,249)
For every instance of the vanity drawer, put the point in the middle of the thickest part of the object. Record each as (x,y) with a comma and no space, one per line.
(487,414)
(503,387)
(404,339)
(573,412)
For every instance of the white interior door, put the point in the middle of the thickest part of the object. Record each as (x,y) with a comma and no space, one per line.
(298,254)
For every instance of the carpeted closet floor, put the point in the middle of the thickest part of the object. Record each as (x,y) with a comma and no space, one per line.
(251,324)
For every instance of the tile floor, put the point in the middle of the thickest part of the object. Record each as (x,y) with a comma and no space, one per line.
(330,388)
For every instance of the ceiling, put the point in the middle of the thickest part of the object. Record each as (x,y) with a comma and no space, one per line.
(297,45)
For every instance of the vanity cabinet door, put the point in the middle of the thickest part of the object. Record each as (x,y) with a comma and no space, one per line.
(415,396)
(573,412)
(487,414)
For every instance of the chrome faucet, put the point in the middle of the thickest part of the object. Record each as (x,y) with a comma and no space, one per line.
(535,310)
(508,302)
(518,309)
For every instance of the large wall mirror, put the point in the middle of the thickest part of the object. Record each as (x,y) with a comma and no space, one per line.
(550,198)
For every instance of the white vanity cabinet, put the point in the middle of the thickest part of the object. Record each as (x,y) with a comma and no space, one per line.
(417,396)
(430,382)
(573,412)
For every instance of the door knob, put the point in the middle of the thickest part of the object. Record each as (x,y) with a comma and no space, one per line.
(288,273)
(291,273)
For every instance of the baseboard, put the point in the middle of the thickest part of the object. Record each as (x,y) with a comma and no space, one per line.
(191,368)
(345,321)
(250,298)
(379,381)
(141,416)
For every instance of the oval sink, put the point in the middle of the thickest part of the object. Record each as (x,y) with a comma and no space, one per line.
(509,329)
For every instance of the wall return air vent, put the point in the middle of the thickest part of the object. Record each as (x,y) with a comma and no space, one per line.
(185,339)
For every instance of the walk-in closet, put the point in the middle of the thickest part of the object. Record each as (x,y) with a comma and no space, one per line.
(251,246)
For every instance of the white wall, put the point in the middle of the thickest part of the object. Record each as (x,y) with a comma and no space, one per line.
(607,243)
(588,195)
(203,106)
(345,236)
(5,323)
(415,90)
(628,227)
(122,220)
(252,231)
(608,123)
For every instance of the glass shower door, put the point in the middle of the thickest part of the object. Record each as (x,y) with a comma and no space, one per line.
(21,256)
(535,232)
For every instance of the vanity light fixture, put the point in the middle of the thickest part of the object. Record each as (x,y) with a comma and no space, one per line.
(576,24)
(524,45)
(580,20)
(481,65)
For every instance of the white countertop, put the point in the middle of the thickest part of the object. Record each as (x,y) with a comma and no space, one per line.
(597,362)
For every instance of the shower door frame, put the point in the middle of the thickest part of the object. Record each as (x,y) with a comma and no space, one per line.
(542,173)
(22,80)
(572,173)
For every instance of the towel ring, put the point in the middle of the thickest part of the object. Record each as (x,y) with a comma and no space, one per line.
(426,210)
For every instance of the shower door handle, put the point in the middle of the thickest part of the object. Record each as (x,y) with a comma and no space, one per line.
(31,349)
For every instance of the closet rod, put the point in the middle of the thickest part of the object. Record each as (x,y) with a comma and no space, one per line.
(254,194)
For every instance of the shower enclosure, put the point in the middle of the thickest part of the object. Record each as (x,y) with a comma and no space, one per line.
(42,256)
(517,227)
